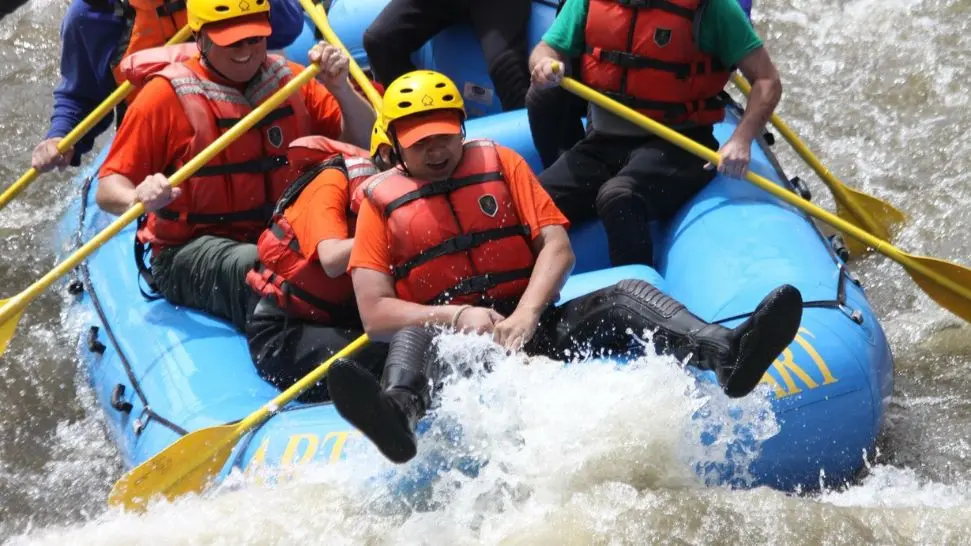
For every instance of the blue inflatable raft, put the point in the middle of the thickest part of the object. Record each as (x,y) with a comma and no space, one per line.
(160,372)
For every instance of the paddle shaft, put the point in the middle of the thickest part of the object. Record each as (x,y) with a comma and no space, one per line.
(834,184)
(689,145)
(86,124)
(297,388)
(21,300)
(319,17)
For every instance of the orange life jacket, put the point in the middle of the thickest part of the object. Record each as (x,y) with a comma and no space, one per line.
(459,240)
(291,274)
(148,24)
(234,194)
(645,54)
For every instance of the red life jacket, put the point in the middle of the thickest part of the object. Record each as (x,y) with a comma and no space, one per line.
(291,274)
(234,194)
(147,24)
(309,152)
(645,54)
(459,240)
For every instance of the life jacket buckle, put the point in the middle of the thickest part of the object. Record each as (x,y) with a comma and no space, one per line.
(472,285)
(460,243)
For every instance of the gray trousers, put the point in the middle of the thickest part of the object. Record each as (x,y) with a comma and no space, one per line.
(208,273)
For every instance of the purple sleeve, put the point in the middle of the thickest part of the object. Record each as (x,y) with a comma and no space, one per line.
(286,18)
(88,41)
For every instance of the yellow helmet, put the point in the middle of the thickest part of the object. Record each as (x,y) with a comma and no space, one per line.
(379,136)
(419,91)
(201,12)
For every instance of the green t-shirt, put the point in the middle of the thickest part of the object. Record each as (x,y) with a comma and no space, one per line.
(724,31)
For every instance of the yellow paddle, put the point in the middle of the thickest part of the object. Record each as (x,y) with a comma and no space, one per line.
(860,209)
(189,463)
(13,308)
(86,124)
(319,17)
(946,283)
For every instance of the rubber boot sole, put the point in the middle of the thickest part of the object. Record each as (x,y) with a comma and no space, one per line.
(360,400)
(762,337)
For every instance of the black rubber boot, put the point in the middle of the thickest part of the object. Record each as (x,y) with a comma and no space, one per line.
(387,412)
(739,356)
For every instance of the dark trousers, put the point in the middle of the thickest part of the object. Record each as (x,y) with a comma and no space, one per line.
(555,121)
(404,26)
(597,322)
(208,273)
(286,349)
(628,181)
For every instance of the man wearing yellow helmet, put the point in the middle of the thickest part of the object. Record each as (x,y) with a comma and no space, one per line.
(202,234)
(95,36)
(461,234)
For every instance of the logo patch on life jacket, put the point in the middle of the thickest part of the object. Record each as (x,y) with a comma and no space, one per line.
(275,136)
(662,36)
(488,205)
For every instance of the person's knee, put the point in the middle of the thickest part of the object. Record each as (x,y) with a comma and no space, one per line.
(510,75)
(616,191)
(239,259)
(375,38)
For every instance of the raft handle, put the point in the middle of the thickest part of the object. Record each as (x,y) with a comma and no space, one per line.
(854,314)
(801,188)
(839,247)
(94,345)
(769,138)
(117,400)
(76,288)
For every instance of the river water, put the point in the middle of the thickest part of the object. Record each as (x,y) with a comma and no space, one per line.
(878,88)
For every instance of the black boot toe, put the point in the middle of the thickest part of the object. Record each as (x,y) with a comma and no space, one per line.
(758,341)
(361,401)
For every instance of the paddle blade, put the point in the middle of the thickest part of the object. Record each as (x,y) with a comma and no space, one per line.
(186,466)
(955,301)
(8,328)
(885,216)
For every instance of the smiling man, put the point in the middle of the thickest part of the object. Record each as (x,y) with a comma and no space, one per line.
(202,233)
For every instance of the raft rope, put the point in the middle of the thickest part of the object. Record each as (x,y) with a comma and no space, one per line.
(83,276)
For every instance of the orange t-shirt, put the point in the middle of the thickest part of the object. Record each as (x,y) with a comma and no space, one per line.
(534,206)
(155,131)
(320,212)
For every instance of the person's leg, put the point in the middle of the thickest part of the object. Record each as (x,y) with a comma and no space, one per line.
(402,28)
(555,121)
(284,350)
(387,412)
(501,27)
(208,273)
(574,179)
(739,356)
(656,182)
